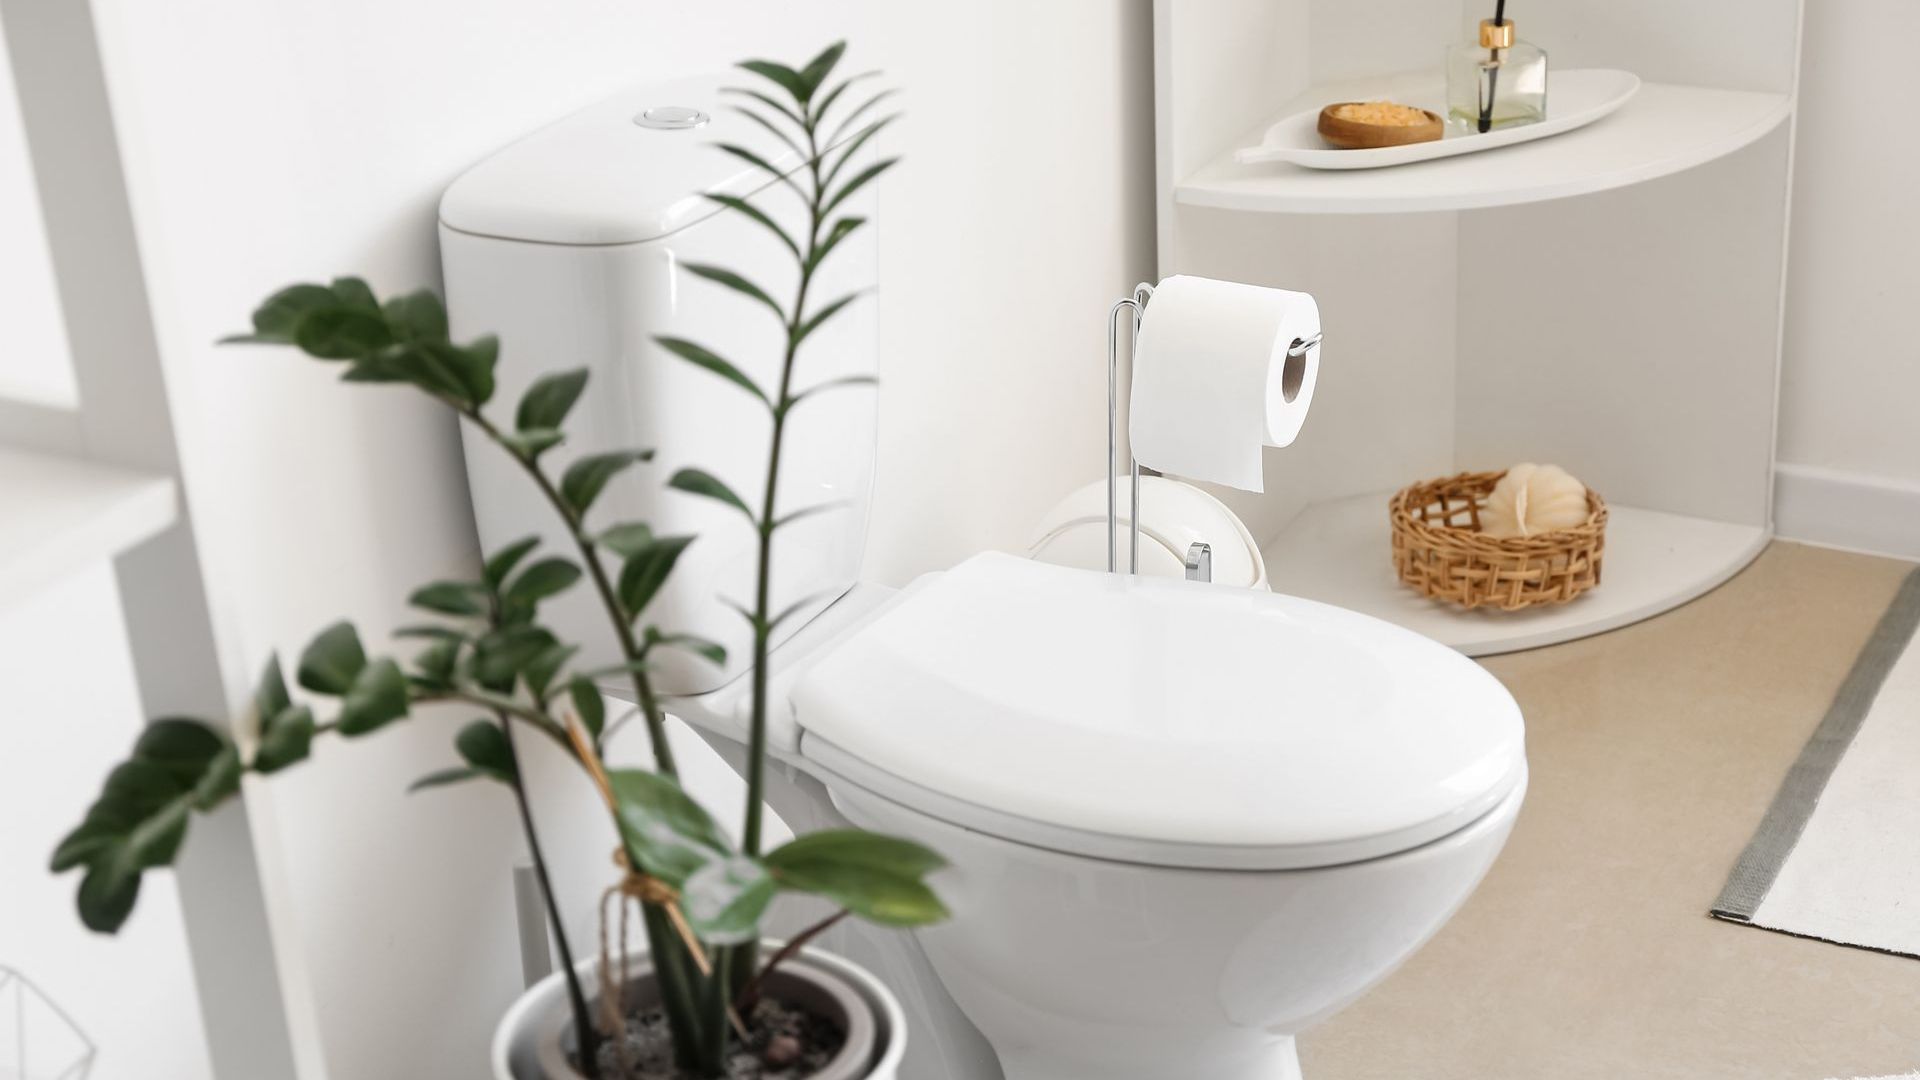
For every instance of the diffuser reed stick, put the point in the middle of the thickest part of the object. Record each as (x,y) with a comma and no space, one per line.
(1493,74)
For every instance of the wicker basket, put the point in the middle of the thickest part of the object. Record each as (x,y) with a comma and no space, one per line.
(1438,548)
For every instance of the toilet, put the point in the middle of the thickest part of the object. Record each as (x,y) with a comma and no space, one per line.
(1185,821)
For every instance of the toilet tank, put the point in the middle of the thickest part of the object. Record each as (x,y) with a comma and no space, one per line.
(571,245)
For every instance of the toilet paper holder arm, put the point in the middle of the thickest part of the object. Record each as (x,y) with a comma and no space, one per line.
(1137,303)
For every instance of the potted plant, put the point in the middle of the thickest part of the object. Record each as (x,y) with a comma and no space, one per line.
(707,998)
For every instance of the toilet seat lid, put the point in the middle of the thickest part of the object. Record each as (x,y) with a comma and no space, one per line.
(1159,721)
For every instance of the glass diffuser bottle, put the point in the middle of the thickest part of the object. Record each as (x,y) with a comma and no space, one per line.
(1498,81)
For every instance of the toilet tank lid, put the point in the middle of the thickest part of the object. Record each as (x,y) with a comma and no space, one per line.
(1160,721)
(600,176)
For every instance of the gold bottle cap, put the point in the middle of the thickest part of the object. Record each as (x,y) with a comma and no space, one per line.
(1496,35)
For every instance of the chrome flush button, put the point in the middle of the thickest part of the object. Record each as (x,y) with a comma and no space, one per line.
(672,118)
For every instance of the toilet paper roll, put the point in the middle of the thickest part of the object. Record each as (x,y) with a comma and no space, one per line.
(1212,382)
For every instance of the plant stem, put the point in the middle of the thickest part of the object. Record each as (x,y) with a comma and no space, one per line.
(616,613)
(672,967)
(576,997)
(763,591)
(750,993)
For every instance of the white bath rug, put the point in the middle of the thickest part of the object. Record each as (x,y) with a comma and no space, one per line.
(1835,858)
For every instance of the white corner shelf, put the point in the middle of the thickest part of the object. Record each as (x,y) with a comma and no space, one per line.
(1665,129)
(1339,553)
(59,514)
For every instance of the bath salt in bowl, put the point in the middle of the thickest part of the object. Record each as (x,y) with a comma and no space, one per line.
(1369,125)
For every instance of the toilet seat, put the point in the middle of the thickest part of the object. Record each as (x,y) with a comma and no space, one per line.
(1156,721)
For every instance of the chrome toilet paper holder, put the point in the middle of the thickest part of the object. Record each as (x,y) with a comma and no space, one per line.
(1199,561)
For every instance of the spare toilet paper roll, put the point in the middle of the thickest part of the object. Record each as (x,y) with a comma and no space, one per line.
(1212,382)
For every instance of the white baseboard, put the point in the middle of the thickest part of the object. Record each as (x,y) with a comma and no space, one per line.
(1853,511)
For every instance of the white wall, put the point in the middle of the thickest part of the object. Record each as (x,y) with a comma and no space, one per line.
(267,142)
(1849,447)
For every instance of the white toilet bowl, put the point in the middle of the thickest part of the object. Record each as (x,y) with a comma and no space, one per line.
(1185,823)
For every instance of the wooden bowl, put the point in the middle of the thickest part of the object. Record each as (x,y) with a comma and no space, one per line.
(1345,134)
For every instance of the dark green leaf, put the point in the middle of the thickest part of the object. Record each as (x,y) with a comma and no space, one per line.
(443,777)
(388,365)
(332,660)
(743,611)
(879,878)
(342,333)
(666,833)
(107,894)
(438,633)
(722,276)
(355,293)
(437,661)
(740,205)
(822,105)
(798,606)
(808,511)
(499,656)
(830,384)
(700,355)
(775,130)
(787,78)
(451,598)
(773,103)
(547,402)
(814,321)
(431,366)
(483,745)
(278,320)
(378,697)
(626,539)
(693,643)
(836,232)
(220,781)
(589,704)
(285,739)
(270,695)
(847,122)
(417,317)
(139,820)
(647,570)
(701,482)
(543,579)
(585,478)
(852,146)
(764,165)
(540,670)
(180,746)
(725,899)
(532,444)
(473,363)
(815,73)
(502,562)
(860,179)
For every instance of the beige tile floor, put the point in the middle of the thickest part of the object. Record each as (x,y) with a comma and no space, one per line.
(1588,952)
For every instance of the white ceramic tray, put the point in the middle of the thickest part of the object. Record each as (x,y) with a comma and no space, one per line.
(1575,99)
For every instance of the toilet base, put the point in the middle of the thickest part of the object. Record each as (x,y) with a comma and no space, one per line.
(1279,1061)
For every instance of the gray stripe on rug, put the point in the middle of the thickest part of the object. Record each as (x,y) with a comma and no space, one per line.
(1793,804)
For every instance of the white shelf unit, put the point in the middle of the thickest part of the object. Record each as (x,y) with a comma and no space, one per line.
(95,478)
(1665,129)
(60,514)
(1607,299)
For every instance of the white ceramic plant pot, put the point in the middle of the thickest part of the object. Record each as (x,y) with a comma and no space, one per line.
(529,1043)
